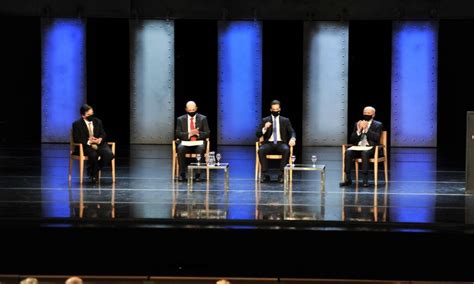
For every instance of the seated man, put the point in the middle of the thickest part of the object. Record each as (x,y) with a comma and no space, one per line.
(89,131)
(366,133)
(190,127)
(277,134)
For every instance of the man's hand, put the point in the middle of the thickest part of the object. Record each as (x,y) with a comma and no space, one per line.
(359,126)
(364,124)
(267,125)
(194,132)
(94,140)
(292,142)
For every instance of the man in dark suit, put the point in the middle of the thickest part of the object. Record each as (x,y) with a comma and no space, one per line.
(277,134)
(366,132)
(89,131)
(190,127)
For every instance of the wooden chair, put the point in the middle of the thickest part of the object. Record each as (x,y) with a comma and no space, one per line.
(175,164)
(81,158)
(375,160)
(258,167)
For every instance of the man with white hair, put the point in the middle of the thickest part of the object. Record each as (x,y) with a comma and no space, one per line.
(190,127)
(366,132)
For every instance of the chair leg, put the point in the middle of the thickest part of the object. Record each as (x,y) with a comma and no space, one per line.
(100,175)
(343,165)
(385,169)
(257,164)
(376,172)
(113,170)
(177,170)
(70,171)
(81,170)
(356,172)
(173,167)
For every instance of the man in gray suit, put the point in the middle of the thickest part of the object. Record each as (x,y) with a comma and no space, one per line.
(192,126)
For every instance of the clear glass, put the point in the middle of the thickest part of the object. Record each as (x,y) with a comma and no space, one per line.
(198,158)
(293,159)
(212,159)
(218,158)
(314,158)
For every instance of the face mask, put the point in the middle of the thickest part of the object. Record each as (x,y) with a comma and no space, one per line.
(90,118)
(275,113)
(367,117)
(191,114)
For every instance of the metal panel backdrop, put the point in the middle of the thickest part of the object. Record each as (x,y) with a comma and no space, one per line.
(152,82)
(63,76)
(240,81)
(414,84)
(325,80)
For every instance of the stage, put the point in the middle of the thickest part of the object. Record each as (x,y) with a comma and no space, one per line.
(146,212)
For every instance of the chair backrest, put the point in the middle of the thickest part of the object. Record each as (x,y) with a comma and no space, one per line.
(383,138)
(71,142)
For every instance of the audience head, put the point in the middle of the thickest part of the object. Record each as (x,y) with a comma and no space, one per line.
(74,280)
(29,280)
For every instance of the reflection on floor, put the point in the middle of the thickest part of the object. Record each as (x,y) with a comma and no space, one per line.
(34,184)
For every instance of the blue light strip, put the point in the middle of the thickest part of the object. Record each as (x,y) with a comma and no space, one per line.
(419,167)
(414,84)
(63,76)
(240,82)
(55,202)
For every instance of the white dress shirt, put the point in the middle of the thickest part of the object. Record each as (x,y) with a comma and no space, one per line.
(90,125)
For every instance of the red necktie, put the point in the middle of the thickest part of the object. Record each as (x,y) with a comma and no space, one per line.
(193,138)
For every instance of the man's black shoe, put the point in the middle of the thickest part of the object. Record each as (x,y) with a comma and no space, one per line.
(181,178)
(365,181)
(266,178)
(94,178)
(346,183)
(280,179)
(197,177)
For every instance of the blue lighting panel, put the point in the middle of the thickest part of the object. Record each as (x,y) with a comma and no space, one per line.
(151,81)
(240,82)
(414,84)
(325,78)
(63,76)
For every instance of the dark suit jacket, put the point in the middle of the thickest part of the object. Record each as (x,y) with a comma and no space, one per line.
(373,135)
(181,131)
(80,132)
(286,130)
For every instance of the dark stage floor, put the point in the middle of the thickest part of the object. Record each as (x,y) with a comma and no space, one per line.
(422,200)
(34,185)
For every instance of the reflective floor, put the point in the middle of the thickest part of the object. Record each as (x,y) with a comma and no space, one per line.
(34,185)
